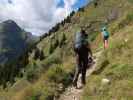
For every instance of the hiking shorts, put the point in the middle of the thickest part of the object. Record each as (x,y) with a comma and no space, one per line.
(83,50)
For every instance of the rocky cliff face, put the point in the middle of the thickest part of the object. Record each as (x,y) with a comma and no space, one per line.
(13,41)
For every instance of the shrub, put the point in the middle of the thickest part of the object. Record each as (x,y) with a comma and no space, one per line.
(56,43)
(126,21)
(95,4)
(131,1)
(39,54)
(58,75)
(51,49)
(53,45)
(81,9)
(42,56)
(72,13)
(63,39)
(93,36)
(31,71)
(53,59)
(130,17)
(36,55)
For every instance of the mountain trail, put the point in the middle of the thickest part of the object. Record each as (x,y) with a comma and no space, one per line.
(75,94)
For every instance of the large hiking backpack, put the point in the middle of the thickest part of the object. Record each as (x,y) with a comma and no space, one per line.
(80,41)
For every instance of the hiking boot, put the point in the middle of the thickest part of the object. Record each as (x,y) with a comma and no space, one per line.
(81,86)
(75,85)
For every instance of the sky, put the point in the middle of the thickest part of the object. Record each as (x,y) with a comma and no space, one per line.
(37,16)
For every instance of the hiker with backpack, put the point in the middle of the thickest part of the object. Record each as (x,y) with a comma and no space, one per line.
(105,35)
(82,51)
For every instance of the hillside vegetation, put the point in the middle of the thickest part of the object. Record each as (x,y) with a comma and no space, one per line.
(45,79)
(115,64)
(14,43)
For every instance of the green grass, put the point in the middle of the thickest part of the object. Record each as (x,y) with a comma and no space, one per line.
(116,65)
(47,87)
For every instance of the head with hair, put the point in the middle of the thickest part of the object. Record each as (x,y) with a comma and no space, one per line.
(104,28)
(82,30)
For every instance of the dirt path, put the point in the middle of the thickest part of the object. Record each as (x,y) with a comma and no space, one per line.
(75,94)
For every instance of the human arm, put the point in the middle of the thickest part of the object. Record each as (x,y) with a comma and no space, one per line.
(89,50)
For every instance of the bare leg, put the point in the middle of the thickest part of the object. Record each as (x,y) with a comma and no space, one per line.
(106,43)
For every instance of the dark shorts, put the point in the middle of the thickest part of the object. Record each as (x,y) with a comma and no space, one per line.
(106,37)
(82,51)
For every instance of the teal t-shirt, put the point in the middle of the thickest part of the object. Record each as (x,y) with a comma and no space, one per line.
(105,32)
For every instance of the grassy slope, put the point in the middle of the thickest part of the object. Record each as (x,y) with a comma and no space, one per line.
(114,64)
(61,62)
(117,66)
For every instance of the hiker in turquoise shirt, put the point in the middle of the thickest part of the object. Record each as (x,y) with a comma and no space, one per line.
(105,35)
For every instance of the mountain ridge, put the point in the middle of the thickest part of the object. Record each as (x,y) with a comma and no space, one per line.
(14,47)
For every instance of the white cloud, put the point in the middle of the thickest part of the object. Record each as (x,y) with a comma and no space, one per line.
(69,3)
(36,16)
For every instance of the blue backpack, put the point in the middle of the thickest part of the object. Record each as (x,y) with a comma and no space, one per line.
(80,40)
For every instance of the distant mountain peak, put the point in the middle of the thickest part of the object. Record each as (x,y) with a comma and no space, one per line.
(13,39)
(10,25)
(9,21)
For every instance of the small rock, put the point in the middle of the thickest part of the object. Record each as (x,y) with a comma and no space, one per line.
(60,87)
(105,81)
(126,40)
